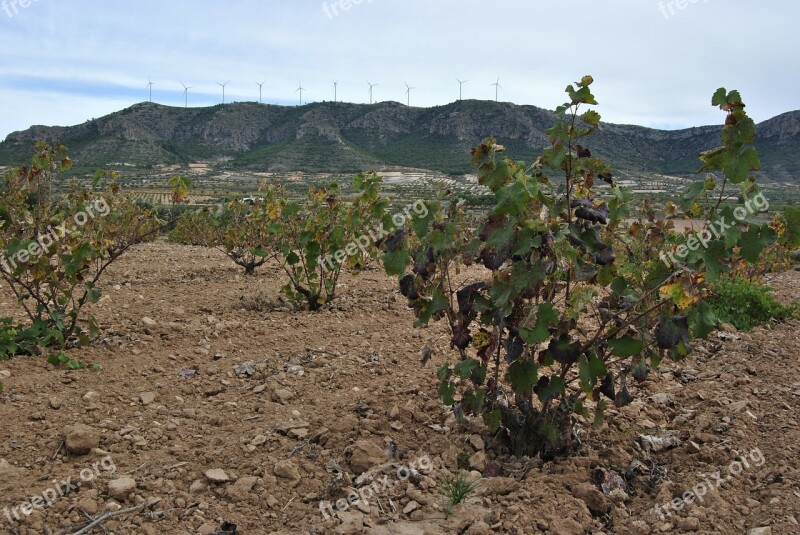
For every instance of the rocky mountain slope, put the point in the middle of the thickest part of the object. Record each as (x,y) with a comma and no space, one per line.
(328,136)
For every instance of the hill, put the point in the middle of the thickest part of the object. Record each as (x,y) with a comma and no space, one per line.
(342,137)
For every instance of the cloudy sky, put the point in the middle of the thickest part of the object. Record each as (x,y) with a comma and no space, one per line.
(655,62)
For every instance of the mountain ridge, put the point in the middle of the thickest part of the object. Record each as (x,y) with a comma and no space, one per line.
(344,137)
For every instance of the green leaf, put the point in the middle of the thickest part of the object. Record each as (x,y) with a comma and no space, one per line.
(712,257)
(555,388)
(720,97)
(447,391)
(437,303)
(512,200)
(93,295)
(589,370)
(702,320)
(523,376)
(473,401)
(752,242)
(738,167)
(626,346)
(422,224)
(526,240)
(501,237)
(620,287)
(579,300)
(292,259)
(464,368)
(499,177)
(691,194)
(599,413)
(546,316)
(443,372)
(591,117)
(493,420)
(395,263)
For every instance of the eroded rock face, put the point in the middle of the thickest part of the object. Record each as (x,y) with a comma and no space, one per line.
(349,134)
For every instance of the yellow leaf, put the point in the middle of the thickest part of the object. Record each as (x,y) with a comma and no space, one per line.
(678,294)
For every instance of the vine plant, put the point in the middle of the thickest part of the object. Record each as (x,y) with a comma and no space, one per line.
(55,248)
(559,294)
(240,230)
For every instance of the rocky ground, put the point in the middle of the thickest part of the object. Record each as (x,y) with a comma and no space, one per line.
(216,402)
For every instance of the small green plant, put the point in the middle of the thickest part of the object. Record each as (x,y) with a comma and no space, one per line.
(789,235)
(746,304)
(62,360)
(458,489)
(8,338)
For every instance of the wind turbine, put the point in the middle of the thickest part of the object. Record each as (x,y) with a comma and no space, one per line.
(460,85)
(408,93)
(223,89)
(335,89)
(186,93)
(370,90)
(300,89)
(150,85)
(497,88)
(260,85)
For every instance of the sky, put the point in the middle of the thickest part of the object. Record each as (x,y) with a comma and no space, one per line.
(655,63)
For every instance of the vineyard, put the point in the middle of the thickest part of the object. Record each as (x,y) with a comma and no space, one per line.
(542,347)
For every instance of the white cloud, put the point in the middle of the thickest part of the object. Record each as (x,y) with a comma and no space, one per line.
(65,62)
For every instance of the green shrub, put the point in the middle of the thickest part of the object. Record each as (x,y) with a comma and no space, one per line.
(237,231)
(574,297)
(316,239)
(746,304)
(54,248)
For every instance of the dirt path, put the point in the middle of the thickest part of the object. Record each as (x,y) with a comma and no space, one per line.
(218,412)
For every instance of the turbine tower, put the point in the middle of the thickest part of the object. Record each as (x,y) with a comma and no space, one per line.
(497,88)
(460,86)
(150,85)
(186,94)
(371,86)
(223,90)
(408,94)
(260,85)
(300,89)
(335,89)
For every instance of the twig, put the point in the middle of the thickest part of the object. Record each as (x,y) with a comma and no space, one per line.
(145,464)
(298,448)
(90,518)
(60,445)
(83,529)
(287,504)
(323,351)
